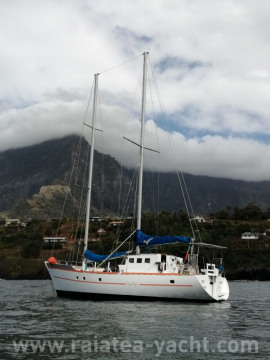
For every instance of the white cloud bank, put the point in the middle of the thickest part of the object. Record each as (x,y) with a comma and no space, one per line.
(211,60)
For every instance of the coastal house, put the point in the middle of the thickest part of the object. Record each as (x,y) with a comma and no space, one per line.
(101,231)
(116,223)
(55,240)
(14,222)
(250,236)
(203,219)
(96,218)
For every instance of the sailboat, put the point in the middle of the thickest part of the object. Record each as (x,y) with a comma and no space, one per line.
(140,276)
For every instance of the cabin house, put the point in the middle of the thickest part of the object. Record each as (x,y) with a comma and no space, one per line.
(151,264)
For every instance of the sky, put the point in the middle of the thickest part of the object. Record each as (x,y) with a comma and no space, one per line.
(210,61)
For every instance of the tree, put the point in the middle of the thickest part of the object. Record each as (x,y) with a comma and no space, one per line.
(48,231)
(223,214)
(31,249)
(267,213)
(237,213)
(252,212)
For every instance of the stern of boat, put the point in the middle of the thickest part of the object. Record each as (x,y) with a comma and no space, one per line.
(214,282)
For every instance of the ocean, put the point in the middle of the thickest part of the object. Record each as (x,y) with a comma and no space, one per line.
(34,324)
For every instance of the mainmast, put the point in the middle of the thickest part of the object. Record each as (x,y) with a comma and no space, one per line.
(91,162)
(139,209)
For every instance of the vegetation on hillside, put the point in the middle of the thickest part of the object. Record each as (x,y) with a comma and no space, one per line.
(22,246)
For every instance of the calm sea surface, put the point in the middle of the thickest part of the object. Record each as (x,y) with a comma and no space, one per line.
(36,325)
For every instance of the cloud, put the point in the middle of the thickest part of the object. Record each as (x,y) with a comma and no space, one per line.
(211,61)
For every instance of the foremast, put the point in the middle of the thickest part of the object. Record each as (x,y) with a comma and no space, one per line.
(90,176)
(139,206)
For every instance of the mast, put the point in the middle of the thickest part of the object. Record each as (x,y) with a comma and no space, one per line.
(139,209)
(90,176)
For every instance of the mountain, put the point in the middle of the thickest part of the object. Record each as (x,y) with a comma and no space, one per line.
(35,180)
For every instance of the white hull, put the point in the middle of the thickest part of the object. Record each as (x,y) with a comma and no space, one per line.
(68,281)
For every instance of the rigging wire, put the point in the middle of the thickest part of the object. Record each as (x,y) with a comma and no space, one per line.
(181,179)
(158,147)
(73,169)
(101,189)
(124,211)
(116,66)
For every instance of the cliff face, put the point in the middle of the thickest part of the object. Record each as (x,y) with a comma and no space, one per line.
(24,171)
(45,204)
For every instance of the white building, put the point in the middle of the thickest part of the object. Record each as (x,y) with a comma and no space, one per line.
(56,239)
(14,222)
(250,236)
(203,219)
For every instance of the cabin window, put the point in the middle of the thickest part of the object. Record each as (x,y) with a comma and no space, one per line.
(77,277)
(99,279)
(139,260)
(147,260)
(83,278)
(172,281)
(131,260)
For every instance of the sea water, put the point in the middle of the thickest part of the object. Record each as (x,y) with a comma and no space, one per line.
(34,324)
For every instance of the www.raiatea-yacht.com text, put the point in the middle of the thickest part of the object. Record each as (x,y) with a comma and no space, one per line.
(116,345)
